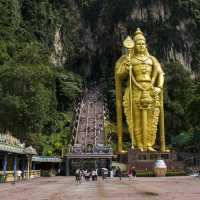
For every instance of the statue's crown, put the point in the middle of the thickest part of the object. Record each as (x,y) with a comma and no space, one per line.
(138,35)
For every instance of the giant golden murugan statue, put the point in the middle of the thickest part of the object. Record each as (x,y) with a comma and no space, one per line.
(143,96)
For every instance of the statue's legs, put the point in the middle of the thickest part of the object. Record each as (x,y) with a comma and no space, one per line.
(153,117)
(131,128)
(130,121)
(137,126)
(148,120)
(151,130)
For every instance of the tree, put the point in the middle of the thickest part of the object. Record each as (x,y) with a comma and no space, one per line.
(28,98)
(68,87)
(182,140)
(193,113)
(178,93)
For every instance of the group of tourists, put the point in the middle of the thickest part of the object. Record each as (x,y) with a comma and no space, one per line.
(85,174)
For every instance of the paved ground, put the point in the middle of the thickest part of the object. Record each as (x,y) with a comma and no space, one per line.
(64,188)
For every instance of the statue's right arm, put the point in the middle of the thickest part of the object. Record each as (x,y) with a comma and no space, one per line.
(121,67)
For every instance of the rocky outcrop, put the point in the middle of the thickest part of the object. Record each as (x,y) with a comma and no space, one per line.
(57,57)
(106,24)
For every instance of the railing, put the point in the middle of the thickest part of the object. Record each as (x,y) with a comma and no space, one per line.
(9,175)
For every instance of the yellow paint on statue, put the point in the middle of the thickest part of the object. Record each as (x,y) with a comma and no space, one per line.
(143,97)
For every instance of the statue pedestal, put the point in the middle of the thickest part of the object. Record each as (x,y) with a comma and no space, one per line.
(146,160)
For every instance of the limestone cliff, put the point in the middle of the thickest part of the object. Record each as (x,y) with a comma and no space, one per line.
(171,28)
(86,35)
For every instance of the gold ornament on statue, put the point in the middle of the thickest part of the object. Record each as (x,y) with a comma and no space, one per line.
(142,100)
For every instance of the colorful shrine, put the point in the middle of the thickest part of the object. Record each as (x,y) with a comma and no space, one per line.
(14,157)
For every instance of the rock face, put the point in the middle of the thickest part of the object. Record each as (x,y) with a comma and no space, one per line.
(57,58)
(104,25)
(86,35)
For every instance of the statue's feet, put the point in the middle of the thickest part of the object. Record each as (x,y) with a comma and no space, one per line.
(141,149)
(151,149)
(122,152)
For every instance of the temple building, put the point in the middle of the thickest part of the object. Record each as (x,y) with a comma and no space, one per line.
(48,165)
(14,157)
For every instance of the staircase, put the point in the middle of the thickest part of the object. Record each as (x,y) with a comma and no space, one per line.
(89,123)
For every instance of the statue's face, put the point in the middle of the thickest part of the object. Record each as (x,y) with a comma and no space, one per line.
(140,46)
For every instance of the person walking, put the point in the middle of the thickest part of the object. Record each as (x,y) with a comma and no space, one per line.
(23,174)
(19,173)
(96,175)
(119,173)
(133,173)
(78,176)
(93,174)
(58,171)
(88,175)
(103,173)
(130,173)
(111,173)
(85,174)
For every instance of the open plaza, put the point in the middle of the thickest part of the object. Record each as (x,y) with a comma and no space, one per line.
(64,188)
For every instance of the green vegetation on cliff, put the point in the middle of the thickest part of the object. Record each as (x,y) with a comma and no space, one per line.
(36,102)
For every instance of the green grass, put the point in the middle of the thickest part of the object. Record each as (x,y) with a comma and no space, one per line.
(151,173)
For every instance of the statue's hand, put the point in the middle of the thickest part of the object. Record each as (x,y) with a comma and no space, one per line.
(150,87)
(127,65)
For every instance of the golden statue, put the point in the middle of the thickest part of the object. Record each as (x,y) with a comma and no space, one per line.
(143,96)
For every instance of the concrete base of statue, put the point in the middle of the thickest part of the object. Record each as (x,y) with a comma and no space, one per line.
(146,160)
(160,168)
